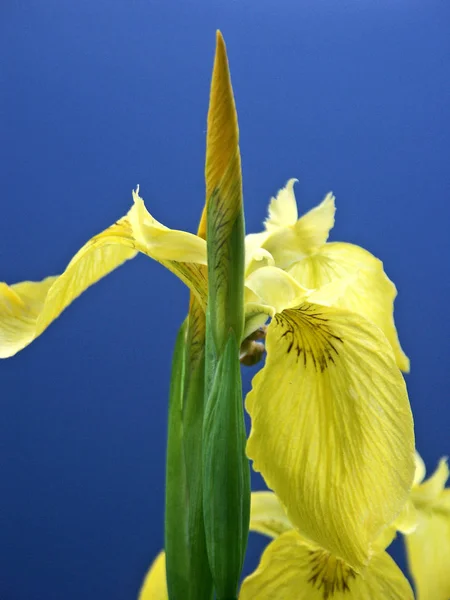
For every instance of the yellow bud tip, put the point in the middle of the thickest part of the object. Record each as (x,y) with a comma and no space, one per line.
(223,134)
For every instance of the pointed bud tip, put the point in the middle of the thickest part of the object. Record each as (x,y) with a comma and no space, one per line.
(221,59)
(223,133)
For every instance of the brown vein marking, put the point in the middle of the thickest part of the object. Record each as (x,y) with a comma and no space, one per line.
(308,333)
(219,217)
(329,574)
(196,335)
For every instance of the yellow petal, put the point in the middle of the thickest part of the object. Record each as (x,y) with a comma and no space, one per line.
(256,315)
(259,258)
(182,253)
(291,244)
(427,493)
(155,586)
(28,308)
(428,551)
(162,243)
(19,312)
(275,288)
(369,293)
(283,208)
(291,570)
(332,430)
(314,227)
(254,254)
(267,516)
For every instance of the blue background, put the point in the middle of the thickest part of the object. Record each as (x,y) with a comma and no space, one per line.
(97,96)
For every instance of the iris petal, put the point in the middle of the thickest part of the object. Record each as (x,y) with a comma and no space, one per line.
(332,431)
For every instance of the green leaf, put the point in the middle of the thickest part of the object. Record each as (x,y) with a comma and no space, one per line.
(187,567)
(226,474)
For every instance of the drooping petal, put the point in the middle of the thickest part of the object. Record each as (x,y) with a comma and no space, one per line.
(369,292)
(28,308)
(19,313)
(267,516)
(155,586)
(332,430)
(290,569)
(283,208)
(428,551)
(288,245)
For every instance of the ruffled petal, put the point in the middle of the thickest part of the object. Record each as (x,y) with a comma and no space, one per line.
(427,493)
(155,586)
(288,245)
(283,208)
(332,431)
(369,292)
(267,516)
(28,308)
(290,569)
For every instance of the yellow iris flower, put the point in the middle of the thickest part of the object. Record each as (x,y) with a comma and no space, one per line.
(292,568)
(332,431)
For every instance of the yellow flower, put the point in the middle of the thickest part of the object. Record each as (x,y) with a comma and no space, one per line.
(332,431)
(28,308)
(428,540)
(292,569)
(300,248)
